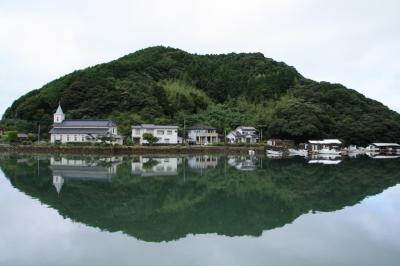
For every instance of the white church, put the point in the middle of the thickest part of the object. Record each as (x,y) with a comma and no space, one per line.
(65,131)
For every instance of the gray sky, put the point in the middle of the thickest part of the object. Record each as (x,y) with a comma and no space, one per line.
(353,42)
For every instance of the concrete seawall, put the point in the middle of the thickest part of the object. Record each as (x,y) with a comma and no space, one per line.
(123,150)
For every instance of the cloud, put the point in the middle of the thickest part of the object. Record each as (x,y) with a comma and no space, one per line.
(350,42)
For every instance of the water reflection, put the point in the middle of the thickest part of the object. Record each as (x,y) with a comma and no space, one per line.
(196,194)
(90,169)
(153,166)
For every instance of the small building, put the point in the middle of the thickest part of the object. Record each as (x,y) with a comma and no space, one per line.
(317,145)
(22,136)
(202,135)
(166,134)
(383,148)
(243,135)
(65,131)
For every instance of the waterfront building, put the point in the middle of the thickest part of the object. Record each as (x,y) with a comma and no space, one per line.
(387,148)
(317,146)
(243,135)
(202,135)
(65,131)
(166,134)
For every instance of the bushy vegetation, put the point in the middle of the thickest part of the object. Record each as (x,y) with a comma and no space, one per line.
(166,85)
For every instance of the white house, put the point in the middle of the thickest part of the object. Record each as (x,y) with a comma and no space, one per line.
(65,131)
(243,135)
(166,134)
(202,135)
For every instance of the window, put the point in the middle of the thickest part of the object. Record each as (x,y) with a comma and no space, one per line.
(67,137)
(166,140)
(75,138)
(137,131)
(169,132)
(160,132)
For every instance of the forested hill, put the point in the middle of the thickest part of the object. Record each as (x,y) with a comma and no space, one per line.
(166,85)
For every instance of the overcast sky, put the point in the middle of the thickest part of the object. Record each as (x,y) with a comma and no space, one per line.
(353,42)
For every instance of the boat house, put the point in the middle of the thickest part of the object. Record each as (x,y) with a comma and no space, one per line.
(316,146)
(65,131)
(384,148)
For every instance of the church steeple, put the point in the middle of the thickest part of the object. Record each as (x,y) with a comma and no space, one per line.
(59,116)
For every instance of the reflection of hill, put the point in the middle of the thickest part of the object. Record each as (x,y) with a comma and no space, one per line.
(221,200)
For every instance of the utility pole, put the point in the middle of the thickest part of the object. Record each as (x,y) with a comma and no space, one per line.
(225,136)
(184,131)
(38,134)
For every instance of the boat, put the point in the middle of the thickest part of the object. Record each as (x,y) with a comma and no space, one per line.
(329,151)
(331,157)
(294,152)
(272,153)
(328,162)
(386,157)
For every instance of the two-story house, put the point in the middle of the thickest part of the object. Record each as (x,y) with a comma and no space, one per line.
(202,135)
(166,134)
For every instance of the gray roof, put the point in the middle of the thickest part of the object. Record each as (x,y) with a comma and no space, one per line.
(152,126)
(246,128)
(86,123)
(386,144)
(97,131)
(201,126)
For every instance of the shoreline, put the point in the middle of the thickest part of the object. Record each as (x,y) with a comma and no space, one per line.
(132,150)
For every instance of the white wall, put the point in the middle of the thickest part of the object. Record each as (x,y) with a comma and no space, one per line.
(169,136)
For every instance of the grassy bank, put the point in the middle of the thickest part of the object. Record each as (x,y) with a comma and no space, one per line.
(130,149)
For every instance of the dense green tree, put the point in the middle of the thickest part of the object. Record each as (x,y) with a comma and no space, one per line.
(150,138)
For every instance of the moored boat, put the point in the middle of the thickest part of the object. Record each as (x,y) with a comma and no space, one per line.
(300,152)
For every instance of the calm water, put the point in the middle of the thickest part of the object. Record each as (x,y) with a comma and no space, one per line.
(198,210)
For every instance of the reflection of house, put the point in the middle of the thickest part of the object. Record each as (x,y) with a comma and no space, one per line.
(153,166)
(317,145)
(78,169)
(202,135)
(165,134)
(243,135)
(202,161)
(387,148)
(243,163)
(65,131)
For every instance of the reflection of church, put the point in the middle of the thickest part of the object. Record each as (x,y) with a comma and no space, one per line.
(91,169)
(153,166)
(243,163)
(203,162)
